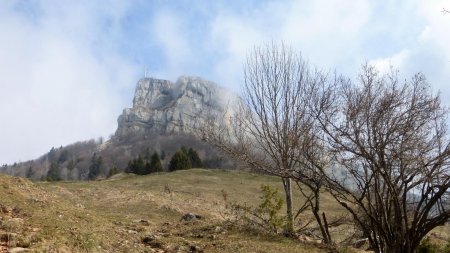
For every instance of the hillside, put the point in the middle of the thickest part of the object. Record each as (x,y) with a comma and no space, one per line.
(130,213)
(115,215)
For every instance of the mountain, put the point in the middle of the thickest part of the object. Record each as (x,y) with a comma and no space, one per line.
(164,117)
(163,107)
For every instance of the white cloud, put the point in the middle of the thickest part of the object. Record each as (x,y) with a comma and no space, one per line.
(428,51)
(170,34)
(54,88)
(395,61)
(326,32)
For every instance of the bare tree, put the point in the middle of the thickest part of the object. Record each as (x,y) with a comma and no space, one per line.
(390,140)
(313,157)
(271,126)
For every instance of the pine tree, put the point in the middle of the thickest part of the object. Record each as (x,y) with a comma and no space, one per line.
(140,167)
(95,167)
(194,158)
(113,171)
(53,174)
(63,156)
(184,150)
(130,166)
(179,161)
(155,163)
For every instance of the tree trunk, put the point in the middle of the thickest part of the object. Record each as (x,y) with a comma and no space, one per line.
(327,235)
(289,215)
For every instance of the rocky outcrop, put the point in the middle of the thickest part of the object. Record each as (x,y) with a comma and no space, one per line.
(163,107)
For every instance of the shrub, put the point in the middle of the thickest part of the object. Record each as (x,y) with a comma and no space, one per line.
(265,217)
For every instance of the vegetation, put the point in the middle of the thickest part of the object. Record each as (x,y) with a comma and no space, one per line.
(53,174)
(96,166)
(390,141)
(196,162)
(139,166)
(273,129)
(113,171)
(118,214)
(185,159)
(379,146)
(265,218)
(155,163)
(145,166)
(180,161)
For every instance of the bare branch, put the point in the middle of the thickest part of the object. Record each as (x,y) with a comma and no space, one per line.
(391,141)
(273,128)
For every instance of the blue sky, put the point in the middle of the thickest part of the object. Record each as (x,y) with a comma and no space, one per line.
(68,68)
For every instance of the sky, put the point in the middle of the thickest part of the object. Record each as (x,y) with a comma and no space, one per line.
(69,68)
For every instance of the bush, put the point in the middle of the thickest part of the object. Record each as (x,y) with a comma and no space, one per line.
(270,207)
(264,218)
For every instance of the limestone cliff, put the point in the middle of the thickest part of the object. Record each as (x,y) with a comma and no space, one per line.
(163,107)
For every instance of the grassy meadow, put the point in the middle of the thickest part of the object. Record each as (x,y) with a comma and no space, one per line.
(129,213)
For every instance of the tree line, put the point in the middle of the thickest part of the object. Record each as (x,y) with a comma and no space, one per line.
(144,164)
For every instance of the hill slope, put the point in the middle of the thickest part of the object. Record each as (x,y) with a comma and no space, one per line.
(127,212)
(130,213)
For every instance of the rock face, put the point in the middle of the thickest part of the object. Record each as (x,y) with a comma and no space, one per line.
(163,107)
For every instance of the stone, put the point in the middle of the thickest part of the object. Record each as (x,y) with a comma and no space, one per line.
(152,241)
(218,229)
(191,216)
(194,248)
(81,206)
(132,231)
(17,250)
(142,222)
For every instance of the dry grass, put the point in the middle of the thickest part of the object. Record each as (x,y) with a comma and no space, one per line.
(115,215)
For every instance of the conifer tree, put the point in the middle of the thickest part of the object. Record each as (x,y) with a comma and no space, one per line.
(95,167)
(179,161)
(53,174)
(194,158)
(155,163)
